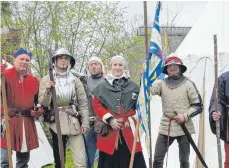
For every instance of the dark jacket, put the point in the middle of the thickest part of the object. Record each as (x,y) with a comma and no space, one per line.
(117,100)
(113,97)
(223,102)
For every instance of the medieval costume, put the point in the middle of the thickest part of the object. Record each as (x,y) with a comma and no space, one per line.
(115,99)
(223,108)
(180,98)
(96,75)
(71,103)
(21,99)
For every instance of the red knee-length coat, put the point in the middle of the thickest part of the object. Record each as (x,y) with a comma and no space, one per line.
(20,95)
(107,144)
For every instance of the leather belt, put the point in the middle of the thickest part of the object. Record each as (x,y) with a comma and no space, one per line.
(18,112)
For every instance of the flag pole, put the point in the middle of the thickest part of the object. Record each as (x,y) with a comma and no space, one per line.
(145,27)
(146,52)
(216,102)
(138,122)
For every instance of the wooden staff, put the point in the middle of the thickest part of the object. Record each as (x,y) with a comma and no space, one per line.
(146,51)
(216,102)
(57,119)
(134,144)
(201,138)
(6,117)
(138,122)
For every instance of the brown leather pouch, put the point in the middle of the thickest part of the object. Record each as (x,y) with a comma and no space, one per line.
(101,128)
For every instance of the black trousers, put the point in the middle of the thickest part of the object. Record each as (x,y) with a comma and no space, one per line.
(161,149)
(121,157)
(56,148)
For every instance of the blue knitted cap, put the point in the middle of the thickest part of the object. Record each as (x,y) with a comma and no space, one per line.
(22,51)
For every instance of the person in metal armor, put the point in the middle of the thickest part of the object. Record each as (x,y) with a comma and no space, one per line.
(71,103)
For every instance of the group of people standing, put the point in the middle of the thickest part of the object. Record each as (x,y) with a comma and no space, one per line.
(95,102)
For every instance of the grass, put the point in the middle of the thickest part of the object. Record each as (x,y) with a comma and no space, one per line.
(69,162)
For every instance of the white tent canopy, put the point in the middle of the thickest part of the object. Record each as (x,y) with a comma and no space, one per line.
(199,41)
(197,51)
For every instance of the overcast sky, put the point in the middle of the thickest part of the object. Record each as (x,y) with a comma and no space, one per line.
(189,11)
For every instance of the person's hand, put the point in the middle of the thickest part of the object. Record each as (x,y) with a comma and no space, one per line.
(115,124)
(84,130)
(37,113)
(180,118)
(143,69)
(50,84)
(3,68)
(216,116)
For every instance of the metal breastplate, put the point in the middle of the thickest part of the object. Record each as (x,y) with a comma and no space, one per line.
(65,90)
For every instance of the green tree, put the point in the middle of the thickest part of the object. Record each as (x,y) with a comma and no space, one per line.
(85,28)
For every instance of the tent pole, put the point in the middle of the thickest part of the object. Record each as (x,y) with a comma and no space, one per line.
(201,137)
(216,102)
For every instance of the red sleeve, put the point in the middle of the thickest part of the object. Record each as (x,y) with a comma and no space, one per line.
(102,112)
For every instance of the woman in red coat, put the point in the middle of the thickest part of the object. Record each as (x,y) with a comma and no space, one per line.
(22,90)
(114,103)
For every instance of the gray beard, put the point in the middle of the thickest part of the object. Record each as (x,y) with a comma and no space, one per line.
(174,81)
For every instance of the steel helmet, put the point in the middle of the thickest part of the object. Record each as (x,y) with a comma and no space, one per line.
(63,51)
(173,59)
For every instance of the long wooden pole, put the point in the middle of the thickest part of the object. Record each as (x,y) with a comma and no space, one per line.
(134,145)
(6,117)
(146,52)
(201,138)
(216,102)
(138,122)
(146,28)
(57,119)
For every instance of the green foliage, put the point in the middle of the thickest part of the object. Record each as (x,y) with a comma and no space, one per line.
(69,162)
(85,28)
(10,40)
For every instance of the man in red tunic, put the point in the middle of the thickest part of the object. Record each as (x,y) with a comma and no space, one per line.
(21,92)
